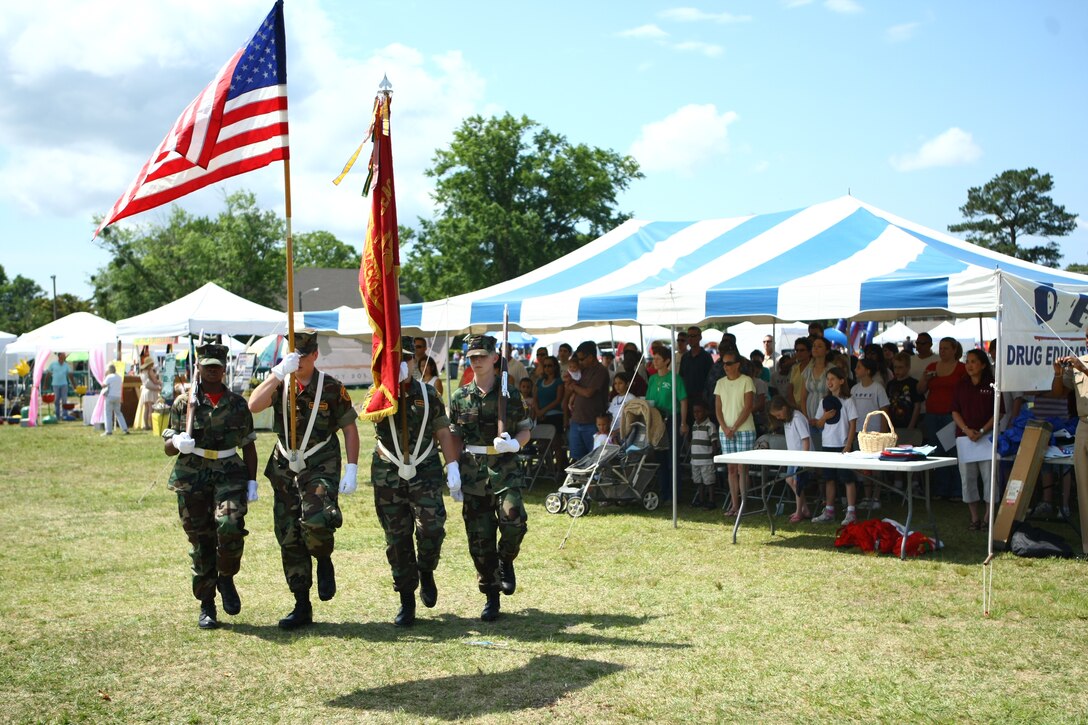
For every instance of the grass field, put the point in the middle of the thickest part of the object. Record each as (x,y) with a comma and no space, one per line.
(631,621)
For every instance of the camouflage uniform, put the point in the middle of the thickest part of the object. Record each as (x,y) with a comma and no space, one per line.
(404,506)
(212,493)
(306,512)
(491,483)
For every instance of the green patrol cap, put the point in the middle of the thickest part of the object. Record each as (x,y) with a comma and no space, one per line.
(305,342)
(212,354)
(480,345)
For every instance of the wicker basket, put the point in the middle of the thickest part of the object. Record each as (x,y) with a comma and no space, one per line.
(871,442)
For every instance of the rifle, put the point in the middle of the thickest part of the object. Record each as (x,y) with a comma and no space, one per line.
(193,387)
(504,374)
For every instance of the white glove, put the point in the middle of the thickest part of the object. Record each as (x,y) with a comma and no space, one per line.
(348,483)
(286,366)
(404,374)
(453,480)
(506,444)
(183,442)
(457,496)
(251,491)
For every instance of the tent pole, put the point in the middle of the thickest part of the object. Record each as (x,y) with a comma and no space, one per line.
(612,335)
(673,426)
(999,386)
(449,381)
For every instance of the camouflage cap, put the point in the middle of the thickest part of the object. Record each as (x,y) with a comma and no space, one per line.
(407,345)
(212,354)
(305,342)
(480,345)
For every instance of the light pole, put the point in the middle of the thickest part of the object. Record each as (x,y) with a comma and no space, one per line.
(54,278)
(306,292)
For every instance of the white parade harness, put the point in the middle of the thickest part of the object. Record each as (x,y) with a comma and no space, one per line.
(296,459)
(407,470)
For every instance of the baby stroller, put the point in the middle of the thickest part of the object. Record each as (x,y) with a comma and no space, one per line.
(611,473)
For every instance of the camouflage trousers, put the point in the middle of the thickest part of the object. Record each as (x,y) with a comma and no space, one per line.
(405,509)
(305,514)
(488,515)
(212,512)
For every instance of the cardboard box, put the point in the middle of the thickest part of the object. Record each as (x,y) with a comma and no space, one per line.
(1013,505)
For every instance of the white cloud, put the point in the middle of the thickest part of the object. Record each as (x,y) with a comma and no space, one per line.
(901,33)
(954,147)
(694,15)
(644,31)
(845,7)
(683,140)
(761,166)
(43,38)
(710,50)
(49,166)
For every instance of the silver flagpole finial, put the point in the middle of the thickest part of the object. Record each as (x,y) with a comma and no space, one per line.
(385,86)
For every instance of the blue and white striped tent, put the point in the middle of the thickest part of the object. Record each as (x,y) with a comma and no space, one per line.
(839,259)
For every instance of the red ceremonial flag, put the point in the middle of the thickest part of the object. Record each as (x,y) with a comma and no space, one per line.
(379,271)
(237,124)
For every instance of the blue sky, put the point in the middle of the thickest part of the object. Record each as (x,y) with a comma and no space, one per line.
(731,108)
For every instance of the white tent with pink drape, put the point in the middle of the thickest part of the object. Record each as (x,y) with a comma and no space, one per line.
(77,332)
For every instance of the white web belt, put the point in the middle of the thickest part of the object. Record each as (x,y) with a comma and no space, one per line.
(296,458)
(407,471)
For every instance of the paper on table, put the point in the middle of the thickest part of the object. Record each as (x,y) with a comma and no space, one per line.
(970,451)
(947,436)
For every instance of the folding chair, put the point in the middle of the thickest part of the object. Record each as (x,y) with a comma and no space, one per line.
(536,457)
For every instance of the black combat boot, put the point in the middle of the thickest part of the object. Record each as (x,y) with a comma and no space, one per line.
(232,603)
(207,618)
(506,576)
(428,590)
(406,615)
(302,615)
(491,609)
(326,579)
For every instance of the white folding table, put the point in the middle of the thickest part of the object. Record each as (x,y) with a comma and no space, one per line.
(819,459)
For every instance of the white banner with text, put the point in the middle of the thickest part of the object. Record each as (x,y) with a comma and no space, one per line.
(1040,324)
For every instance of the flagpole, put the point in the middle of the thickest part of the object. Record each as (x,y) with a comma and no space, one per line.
(289,382)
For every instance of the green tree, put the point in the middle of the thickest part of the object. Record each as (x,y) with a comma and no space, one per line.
(323,249)
(511,196)
(67,303)
(1013,205)
(241,250)
(19,298)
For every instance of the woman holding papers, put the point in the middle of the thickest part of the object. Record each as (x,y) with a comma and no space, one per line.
(938,383)
(973,414)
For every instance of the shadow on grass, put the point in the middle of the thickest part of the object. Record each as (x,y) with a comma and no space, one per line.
(541,682)
(530,625)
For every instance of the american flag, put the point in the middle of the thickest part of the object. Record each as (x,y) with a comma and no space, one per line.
(238,123)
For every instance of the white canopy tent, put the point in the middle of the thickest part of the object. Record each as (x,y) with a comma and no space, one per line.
(77,332)
(210,309)
(897,333)
(972,328)
(6,338)
(750,335)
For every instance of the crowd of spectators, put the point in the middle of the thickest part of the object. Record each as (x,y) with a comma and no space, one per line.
(723,403)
